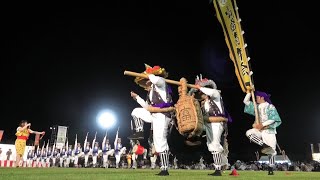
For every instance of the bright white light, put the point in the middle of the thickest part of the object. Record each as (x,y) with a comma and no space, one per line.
(106,119)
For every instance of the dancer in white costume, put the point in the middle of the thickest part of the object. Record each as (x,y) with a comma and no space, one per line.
(264,134)
(62,156)
(201,163)
(175,162)
(54,157)
(38,158)
(49,153)
(87,151)
(77,152)
(34,159)
(95,151)
(136,145)
(43,158)
(106,152)
(118,149)
(68,156)
(215,119)
(156,110)
(133,155)
(30,158)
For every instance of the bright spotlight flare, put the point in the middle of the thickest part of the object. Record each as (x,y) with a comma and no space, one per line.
(106,119)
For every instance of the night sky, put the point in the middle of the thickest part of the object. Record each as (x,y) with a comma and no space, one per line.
(64,63)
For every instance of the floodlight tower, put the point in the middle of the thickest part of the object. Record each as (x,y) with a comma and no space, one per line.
(54,131)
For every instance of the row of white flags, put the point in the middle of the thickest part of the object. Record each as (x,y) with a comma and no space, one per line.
(45,146)
(62,140)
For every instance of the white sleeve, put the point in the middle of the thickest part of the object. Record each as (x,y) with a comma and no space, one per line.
(246,99)
(267,122)
(156,80)
(142,102)
(210,92)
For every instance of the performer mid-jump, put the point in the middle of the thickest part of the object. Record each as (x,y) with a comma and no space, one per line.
(215,119)
(156,110)
(264,134)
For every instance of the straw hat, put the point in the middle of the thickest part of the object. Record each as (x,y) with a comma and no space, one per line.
(156,70)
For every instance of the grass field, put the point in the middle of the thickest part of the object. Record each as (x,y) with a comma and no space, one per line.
(140,174)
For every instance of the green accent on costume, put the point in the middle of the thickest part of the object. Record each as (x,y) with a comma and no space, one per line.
(271,112)
(249,109)
(273,115)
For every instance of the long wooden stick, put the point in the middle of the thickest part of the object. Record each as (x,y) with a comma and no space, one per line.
(130,73)
(257,120)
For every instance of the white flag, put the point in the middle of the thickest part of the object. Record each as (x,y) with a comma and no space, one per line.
(94,140)
(38,148)
(42,149)
(53,148)
(47,148)
(85,141)
(104,141)
(75,143)
(116,140)
(67,146)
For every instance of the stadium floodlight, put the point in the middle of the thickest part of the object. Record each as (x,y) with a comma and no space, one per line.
(106,119)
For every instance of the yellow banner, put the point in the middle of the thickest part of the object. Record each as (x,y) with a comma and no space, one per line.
(228,17)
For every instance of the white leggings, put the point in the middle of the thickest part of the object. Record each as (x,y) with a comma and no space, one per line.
(268,139)
(160,125)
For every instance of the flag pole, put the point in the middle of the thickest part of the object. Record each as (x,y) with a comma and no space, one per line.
(257,121)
